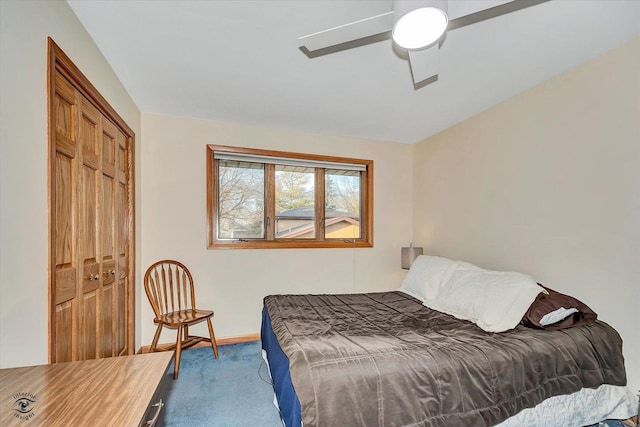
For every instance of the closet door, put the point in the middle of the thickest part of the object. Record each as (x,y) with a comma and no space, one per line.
(63,209)
(122,236)
(114,241)
(91,217)
(90,280)
(107,237)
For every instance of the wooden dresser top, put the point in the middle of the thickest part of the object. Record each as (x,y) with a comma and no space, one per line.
(104,392)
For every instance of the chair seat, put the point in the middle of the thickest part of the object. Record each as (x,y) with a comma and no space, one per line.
(183,317)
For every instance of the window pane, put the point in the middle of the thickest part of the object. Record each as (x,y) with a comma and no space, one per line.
(342,204)
(240,200)
(295,204)
(274,199)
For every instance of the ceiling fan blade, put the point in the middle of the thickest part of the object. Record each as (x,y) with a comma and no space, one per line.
(461,8)
(465,12)
(348,32)
(424,63)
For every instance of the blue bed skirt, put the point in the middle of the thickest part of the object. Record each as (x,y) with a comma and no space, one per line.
(279,367)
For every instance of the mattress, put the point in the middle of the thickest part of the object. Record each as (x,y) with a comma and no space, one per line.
(356,319)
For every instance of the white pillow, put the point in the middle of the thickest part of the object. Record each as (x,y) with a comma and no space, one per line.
(426,276)
(494,300)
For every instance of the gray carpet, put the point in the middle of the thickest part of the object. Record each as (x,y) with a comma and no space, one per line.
(230,391)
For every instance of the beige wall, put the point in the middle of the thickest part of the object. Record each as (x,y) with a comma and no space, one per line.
(233,282)
(547,183)
(24,27)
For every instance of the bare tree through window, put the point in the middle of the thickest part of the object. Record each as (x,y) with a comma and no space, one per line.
(240,200)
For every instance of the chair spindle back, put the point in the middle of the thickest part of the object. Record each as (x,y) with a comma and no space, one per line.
(169,287)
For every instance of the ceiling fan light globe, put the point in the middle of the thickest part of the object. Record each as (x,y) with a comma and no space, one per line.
(420,28)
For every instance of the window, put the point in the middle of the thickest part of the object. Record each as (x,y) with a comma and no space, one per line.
(273,199)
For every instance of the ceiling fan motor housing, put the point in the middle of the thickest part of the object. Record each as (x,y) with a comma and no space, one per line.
(415,26)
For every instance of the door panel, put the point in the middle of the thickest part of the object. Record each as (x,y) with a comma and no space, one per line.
(64,108)
(89,326)
(64,324)
(65,265)
(108,220)
(90,117)
(121,338)
(89,216)
(106,333)
(122,159)
(64,211)
(121,224)
(66,288)
(109,133)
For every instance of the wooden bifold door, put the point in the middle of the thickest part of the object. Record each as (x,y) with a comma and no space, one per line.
(91,220)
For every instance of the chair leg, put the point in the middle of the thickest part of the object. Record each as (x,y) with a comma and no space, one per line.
(154,343)
(176,363)
(186,332)
(214,344)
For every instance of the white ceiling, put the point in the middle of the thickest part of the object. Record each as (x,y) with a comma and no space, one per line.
(240,61)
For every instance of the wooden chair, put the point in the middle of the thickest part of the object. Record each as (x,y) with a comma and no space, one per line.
(169,287)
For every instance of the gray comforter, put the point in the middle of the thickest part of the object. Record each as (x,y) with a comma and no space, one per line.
(383,359)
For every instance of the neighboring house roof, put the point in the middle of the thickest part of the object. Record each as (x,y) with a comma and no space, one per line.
(307,212)
(304,229)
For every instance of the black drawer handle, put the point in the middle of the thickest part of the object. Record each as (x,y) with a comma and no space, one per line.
(152,422)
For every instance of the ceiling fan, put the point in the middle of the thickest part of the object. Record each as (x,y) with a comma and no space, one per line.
(417,26)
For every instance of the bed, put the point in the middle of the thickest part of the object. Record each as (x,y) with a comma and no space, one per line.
(385,359)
